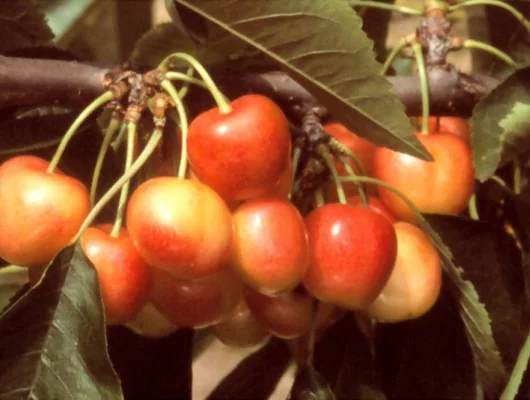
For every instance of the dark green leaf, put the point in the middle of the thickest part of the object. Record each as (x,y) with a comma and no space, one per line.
(500,126)
(22,25)
(257,375)
(322,46)
(309,384)
(427,358)
(492,261)
(152,368)
(164,39)
(490,368)
(53,341)
(375,24)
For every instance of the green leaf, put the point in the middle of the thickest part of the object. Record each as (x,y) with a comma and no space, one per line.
(429,357)
(164,39)
(500,127)
(493,263)
(52,340)
(322,46)
(22,25)
(490,368)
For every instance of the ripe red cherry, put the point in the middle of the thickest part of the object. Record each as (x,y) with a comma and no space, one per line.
(196,303)
(124,277)
(180,226)
(270,247)
(352,253)
(363,149)
(452,125)
(416,279)
(375,204)
(288,315)
(40,212)
(240,328)
(283,188)
(243,153)
(440,187)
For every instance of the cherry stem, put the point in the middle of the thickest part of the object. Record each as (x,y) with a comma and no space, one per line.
(98,102)
(517,175)
(224,106)
(114,124)
(384,6)
(339,147)
(512,387)
(400,45)
(518,15)
(131,134)
(424,84)
(186,78)
(183,120)
(472,208)
(135,167)
(475,44)
(319,197)
(324,153)
(296,160)
(359,185)
(37,146)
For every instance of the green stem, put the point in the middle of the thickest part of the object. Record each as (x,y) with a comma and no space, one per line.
(183,119)
(424,83)
(475,44)
(224,106)
(135,167)
(319,197)
(497,3)
(98,102)
(360,188)
(131,133)
(500,181)
(109,135)
(472,208)
(336,178)
(400,45)
(31,147)
(517,175)
(384,6)
(296,160)
(512,388)
(179,76)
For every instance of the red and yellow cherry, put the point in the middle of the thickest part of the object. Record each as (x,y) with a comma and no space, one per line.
(283,188)
(40,212)
(443,186)
(288,315)
(196,303)
(243,153)
(150,323)
(231,204)
(270,247)
(180,226)
(240,328)
(363,149)
(452,125)
(352,253)
(124,277)
(415,282)
(375,204)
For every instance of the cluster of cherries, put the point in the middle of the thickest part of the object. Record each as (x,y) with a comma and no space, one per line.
(226,248)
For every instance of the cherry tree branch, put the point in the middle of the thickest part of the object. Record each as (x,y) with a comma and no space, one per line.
(31,82)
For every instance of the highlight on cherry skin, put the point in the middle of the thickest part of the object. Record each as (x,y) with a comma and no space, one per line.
(40,212)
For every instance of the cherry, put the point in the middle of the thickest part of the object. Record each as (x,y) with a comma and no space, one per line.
(180,226)
(352,253)
(375,204)
(270,246)
(40,212)
(123,275)
(242,153)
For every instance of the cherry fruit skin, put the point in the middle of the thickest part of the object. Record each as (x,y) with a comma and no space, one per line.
(453,125)
(415,282)
(443,186)
(375,204)
(180,226)
(40,212)
(352,253)
(243,153)
(270,247)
